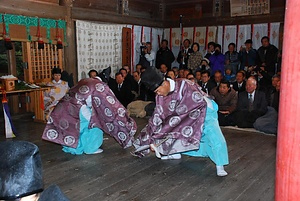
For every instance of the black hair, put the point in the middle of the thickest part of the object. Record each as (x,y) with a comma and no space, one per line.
(223,81)
(211,43)
(118,73)
(233,44)
(149,43)
(123,69)
(243,72)
(91,71)
(56,70)
(197,44)
(205,72)
(218,45)
(265,37)
(164,40)
(187,40)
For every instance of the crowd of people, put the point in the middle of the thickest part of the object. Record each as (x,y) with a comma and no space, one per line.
(244,84)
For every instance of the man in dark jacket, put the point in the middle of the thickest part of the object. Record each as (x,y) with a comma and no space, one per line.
(252,104)
(164,55)
(268,55)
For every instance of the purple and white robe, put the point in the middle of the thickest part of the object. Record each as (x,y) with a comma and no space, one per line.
(108,114)
(178,116)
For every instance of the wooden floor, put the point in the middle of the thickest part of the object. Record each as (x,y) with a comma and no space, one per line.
(116,175)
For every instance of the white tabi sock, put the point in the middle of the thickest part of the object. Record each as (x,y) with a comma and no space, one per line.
(172,156)
(220,171)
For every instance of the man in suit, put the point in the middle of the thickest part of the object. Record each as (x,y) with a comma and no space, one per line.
(240,84)
(184,54)
(143,93)
(251,105)
(206,84)
(122,90)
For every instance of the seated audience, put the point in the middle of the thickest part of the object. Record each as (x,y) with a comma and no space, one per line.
(272,89)
(226,98)
(218,76)
(93,73)
(163,69)
(171,74)
(198,76)
(176,71)
(21,174)
(181,73)
(240,84)
(138,68)
(191,77)
(252,104)
(229,76)
(204,65)
(144,94)
(122,90)
(58,89)
(206,84)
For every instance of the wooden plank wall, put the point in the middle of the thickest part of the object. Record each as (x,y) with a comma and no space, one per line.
(205,16)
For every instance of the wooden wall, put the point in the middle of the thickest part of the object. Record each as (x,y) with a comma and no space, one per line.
(201,13)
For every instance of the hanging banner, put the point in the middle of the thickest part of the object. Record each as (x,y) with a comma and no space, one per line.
(220,36)
(176,37)
(259,31)
(244,33)
(229,36)
(274,33)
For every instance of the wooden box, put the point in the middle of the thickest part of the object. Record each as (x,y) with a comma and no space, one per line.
(9,84)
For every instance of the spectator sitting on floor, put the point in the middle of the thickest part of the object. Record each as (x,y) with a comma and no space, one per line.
(229,76)
(176,71)
(93,73)
(252,104)
(206,84)
(226,98)
(191,77)
(171,74)
(240,84)
(122,90)
(218,76)
(198,76)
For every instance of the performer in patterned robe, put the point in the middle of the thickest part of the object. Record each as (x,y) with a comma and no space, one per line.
(184,121)
(66,125)
(58,89)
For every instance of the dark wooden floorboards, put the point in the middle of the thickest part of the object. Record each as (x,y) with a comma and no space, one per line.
(116,175)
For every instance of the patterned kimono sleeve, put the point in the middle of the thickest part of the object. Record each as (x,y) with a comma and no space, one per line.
(178,117)
(111,116)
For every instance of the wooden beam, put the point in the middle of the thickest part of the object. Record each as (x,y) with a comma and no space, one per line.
(95,15)
(28,8)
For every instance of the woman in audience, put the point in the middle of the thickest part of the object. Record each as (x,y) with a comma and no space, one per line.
(226,98)
(195,58)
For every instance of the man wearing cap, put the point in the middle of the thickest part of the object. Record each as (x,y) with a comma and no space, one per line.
(184,121)
(247,55)
(21,174)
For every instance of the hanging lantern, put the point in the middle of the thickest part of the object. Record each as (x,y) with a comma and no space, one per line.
(40,39)
(59,44)
(7,42)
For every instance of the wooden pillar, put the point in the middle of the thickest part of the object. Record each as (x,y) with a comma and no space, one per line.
(70,50)
(287,185)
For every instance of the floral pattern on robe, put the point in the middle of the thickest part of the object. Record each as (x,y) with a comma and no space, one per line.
(108,114)
(178,116)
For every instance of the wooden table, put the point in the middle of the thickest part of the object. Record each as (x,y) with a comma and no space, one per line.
(36,98)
